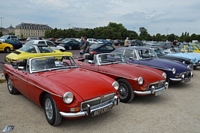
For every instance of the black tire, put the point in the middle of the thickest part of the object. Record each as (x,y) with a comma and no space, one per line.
(7,50)
(70,47)
(51,111)
(10,86)
(125,91)
(168,80)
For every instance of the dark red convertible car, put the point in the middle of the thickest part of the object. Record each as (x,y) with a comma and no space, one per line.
(133,79)
(61,88)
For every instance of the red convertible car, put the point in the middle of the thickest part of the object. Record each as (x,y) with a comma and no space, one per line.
(61,88)
(133,79)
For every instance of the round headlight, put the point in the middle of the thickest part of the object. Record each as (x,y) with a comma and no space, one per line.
(184,62)
(115,85)
(164,75)
(183,76)
(190,66)
(68,97)
(140,80)
(173,70)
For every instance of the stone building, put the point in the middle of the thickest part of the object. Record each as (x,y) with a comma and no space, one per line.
(4,31)
(25,30)
(11,29)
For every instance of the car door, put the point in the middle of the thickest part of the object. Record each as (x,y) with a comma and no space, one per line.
(75,44)
(50,44)
(21,79)
(1,46)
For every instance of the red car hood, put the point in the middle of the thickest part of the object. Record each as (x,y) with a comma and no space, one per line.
(133,71)
(86,84)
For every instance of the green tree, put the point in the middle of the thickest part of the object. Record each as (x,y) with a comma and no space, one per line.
(143,33)
(194,37)
(171,37)
(47,34)
(158,37)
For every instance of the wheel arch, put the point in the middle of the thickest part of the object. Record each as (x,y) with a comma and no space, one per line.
(42,98)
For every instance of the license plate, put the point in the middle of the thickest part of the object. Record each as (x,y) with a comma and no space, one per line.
(158,93)
(100,111)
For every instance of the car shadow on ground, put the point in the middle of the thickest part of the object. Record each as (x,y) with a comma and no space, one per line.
(179,85)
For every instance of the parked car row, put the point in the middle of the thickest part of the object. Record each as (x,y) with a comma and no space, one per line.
(8,40)
(72,88)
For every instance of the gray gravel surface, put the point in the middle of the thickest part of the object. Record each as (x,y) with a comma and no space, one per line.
(177,110)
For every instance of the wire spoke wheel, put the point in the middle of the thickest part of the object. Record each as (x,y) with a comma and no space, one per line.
(48,108)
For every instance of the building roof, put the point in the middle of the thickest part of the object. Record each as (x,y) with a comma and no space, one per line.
(33,26)
(10,27)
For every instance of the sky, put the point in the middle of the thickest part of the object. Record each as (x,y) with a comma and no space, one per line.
(157,16)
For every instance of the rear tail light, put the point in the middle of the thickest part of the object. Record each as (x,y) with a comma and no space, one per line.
(93,52)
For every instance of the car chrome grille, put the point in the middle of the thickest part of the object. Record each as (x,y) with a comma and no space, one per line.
(157,84)
(97,100)
(187,74)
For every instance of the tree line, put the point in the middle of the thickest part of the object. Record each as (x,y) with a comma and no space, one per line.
(118,31)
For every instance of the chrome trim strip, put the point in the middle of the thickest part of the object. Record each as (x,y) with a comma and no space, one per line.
(86,113)
(166,85)
(149,91)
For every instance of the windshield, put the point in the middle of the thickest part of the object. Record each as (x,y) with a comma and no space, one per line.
(173,50)
(51,63)
(198,46)
(5,37)
(146,53)
(110,58)
(28,48)
(158,51)
(94,46)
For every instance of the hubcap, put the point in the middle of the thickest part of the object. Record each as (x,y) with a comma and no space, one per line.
(48,108)
(123,91)
(70,47)
(10,85)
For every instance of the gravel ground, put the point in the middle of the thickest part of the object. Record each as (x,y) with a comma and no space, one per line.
(177,110)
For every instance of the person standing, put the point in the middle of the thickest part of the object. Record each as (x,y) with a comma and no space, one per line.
(81,42)
(85,47)
(175,43)
(126,42)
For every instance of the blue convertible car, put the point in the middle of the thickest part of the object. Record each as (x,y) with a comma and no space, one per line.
(176,71)
(194,57)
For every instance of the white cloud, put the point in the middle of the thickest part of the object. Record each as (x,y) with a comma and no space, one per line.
(155,15)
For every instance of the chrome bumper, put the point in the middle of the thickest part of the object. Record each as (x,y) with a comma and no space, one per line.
(182,79)
(90,110)
(152,91)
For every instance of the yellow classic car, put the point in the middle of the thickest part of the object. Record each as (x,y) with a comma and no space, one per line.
(5,47)
(30,51)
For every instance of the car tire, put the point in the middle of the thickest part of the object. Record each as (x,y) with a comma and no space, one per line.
(7,50)
(70,47)
(10,86)
(125,91)
(51,111)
